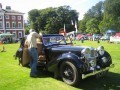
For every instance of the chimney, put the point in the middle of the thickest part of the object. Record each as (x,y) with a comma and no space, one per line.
(0,6)
(8,7)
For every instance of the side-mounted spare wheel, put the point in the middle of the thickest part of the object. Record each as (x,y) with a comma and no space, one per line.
(69,73)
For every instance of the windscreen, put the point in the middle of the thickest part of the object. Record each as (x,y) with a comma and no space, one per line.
(52,40)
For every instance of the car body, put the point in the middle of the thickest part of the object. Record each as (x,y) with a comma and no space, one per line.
(105,37)
(115,38)
(72,63)
(81,37)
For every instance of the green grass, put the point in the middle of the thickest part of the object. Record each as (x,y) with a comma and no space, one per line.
(15,77)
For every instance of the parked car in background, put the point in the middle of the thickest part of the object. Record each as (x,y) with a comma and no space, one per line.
(117,35)
(96,37)
(71,63)
(115,39)
(105,37)
(81,36)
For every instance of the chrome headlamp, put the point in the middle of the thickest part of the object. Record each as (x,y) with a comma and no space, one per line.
(93,63)
(86,52)
(101,50)
(104,59)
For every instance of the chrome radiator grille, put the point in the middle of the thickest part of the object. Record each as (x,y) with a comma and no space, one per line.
(93,53)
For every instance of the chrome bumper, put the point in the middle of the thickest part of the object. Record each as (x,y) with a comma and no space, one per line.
(96,72)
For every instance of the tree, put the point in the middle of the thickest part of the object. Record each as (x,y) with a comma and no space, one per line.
(82,26)
(50,20)
(93,16)
(111,18)
(33,14)
(92,26)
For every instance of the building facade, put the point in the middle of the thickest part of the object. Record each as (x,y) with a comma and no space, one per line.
(12,21)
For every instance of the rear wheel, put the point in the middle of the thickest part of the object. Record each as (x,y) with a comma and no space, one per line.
(69,73)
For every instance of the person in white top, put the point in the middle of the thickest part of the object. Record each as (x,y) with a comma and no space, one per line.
(32,50)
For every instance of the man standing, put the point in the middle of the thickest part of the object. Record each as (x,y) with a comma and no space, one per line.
(32,50)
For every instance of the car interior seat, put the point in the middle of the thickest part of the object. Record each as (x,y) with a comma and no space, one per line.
(41,53)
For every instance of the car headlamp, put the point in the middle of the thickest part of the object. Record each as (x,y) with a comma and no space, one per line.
(86,52)
(93,63)
(101,50)
(104,59)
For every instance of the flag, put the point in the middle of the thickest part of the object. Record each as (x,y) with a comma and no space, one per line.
(64,27)
(72,22)
(76,26)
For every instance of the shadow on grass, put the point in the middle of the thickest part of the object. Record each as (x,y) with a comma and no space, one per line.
(111,81)
(44,74)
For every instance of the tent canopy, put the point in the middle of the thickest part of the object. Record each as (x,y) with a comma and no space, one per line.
(110,32)
(6,34)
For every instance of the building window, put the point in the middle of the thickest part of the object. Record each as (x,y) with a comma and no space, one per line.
(13,17)
(0,17)
(14,34)
(7,24)
(7,17)
(19,25)
(20,34)
(1,24)
(19,17)
(13,24)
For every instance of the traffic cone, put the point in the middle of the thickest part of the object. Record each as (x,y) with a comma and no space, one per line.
(3,49)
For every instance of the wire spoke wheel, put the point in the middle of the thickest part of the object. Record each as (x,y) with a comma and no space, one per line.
(69,73)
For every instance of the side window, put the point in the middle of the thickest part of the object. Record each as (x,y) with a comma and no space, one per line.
(0,17)
(13,24)
(1,24)
(7,17)
(7,24)
(20,34)
(19,25)
(19,17)
(13,17)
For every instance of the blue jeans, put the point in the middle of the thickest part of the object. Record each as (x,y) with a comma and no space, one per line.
(33,60)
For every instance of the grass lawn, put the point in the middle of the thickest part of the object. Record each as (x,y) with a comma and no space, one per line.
(15,77)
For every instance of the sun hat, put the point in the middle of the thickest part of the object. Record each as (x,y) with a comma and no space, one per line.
(31,30)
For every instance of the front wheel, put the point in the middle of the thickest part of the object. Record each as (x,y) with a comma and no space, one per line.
(69,73)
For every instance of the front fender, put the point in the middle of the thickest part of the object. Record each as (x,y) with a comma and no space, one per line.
(70,57)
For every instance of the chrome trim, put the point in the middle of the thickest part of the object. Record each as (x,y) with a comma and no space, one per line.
(96,72)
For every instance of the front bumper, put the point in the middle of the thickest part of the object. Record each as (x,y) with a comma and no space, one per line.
(96,72)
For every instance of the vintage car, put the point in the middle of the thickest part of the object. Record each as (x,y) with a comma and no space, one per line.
(71,63)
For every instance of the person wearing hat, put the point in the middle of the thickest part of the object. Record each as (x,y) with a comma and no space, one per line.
(32,51)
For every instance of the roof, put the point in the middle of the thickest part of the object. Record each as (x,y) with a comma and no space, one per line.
(10,11)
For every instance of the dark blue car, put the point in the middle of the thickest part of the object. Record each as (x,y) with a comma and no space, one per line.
(72,63)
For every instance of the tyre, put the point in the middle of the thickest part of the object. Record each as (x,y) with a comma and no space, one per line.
(69,73)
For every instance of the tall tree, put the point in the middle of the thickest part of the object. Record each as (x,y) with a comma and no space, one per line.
(33,14)
(111,15)
(82,26)
(50,20)
(93,15)
(92,26)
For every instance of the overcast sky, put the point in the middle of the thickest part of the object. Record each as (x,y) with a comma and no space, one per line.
(81,6)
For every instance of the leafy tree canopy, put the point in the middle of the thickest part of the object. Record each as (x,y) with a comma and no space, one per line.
(50,20)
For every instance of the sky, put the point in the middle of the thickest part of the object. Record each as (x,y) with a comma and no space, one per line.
(81,6)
